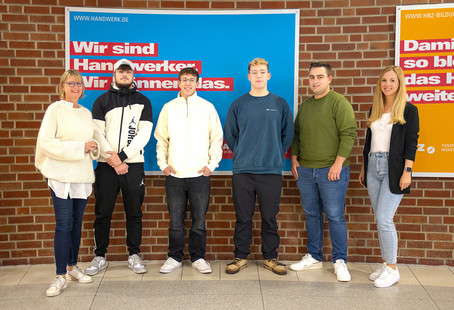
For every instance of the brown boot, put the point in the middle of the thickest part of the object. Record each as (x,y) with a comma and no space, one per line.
(276,267)
(236,265)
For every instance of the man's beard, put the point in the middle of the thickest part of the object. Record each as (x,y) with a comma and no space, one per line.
(122,85)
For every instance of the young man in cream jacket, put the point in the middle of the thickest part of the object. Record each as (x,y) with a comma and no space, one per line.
(189,148)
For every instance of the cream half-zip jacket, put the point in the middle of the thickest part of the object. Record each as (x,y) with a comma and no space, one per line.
(189,135)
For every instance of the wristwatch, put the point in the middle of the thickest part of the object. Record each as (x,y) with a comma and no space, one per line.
(408,169)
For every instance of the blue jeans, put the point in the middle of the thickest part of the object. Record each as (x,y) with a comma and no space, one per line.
(178,192)
(319,195)
(384,204)
(68,218)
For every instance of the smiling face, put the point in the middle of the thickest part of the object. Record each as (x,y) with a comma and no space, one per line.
(72,94)
(259,76)
(319,81)
(389,84)
(188,85)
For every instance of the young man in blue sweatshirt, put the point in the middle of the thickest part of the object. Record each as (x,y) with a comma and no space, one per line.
(258,130)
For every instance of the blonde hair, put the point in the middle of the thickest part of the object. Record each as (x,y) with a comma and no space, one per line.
(397,112)
(64,77)
(258,62)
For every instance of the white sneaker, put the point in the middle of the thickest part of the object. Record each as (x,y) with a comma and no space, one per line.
(306,263)
(135,263)
(341,271)
(56,287)
(202,265)
(170,265)
(77,275)
(97,264)
(374,275)
(387,278)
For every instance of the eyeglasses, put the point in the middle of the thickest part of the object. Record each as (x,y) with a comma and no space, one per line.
(188,81)
(72,84)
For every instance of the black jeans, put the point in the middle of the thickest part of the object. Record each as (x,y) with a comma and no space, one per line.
(267,188)
(106,188)
(179,191)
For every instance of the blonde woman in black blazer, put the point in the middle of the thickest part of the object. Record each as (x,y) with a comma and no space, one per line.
(388,156)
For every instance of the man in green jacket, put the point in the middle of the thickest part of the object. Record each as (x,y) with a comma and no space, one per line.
(325,130)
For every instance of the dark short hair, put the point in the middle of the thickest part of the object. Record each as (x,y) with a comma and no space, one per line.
(325,65)
(190,71)
(124,67)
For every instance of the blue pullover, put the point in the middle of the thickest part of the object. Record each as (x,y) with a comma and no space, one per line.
(259,130)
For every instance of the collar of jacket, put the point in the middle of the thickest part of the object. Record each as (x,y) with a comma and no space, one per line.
(190,98)
(115,89)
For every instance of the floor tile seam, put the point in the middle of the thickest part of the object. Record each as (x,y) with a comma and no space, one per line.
(97,289)
(23,276)
(261,293)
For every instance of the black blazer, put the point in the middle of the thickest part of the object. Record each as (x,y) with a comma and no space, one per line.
(403,145)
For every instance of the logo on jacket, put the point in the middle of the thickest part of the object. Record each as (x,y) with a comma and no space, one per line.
(132,129)
(271,110)
(142,183)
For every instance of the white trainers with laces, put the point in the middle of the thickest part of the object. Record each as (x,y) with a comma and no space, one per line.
(56,287)
(77,275)
(202,265)
(135,263)
(170,265)
(306,263)
(387,278)
(97,264)
(341,271)
(374,275)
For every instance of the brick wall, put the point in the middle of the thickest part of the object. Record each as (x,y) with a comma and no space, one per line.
(356,36)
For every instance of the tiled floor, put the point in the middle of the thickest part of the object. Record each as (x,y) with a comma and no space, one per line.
(117,287)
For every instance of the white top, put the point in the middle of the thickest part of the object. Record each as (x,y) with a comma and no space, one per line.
(74,190)
(189,135)
(381,134)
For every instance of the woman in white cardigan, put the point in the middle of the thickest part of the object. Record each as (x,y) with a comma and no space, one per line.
(65,151)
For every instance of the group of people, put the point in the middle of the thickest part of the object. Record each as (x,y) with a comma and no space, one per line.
(259,129)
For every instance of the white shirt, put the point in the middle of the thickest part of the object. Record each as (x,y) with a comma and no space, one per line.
(381,134)
(74,190)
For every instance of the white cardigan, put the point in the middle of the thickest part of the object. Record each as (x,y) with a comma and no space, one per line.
(189,135)
(60,148)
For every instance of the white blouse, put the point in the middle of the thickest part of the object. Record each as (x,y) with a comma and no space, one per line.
(381,134)
(74,190)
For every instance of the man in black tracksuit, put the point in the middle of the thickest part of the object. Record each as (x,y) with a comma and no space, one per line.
(123,122)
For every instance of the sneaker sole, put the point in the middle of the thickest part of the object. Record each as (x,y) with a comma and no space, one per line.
(57,292)
(136,271)
(228,271)
(71,278)
(92,273)
(169,271)
(203,271)
(282,273)
(385,285)
(311,267)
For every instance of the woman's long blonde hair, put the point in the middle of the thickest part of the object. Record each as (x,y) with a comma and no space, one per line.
(378,105)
